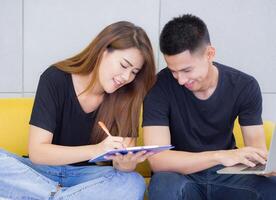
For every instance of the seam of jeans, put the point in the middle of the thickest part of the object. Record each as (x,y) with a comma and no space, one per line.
(31,169)
(192,183)
(3,155)
(11,196)
(238,188)
(55,172)
(80,172)
(101,180)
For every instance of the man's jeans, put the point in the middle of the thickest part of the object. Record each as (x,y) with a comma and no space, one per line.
(208,185)
(21,179)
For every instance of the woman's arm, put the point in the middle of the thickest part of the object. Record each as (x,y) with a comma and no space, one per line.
(41,151)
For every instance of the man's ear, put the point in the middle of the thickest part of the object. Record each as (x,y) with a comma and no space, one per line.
(211,52)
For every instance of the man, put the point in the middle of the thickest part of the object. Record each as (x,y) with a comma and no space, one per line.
(193,106)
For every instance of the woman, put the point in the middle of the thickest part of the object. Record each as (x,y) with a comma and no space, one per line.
(107,81)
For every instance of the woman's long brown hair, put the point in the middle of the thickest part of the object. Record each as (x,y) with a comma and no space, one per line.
(120,110)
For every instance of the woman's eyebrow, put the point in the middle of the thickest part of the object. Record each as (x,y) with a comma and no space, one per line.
(128,62)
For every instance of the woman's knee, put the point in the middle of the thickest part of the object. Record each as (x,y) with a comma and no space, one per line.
(3,153)
(135,185)
(137,181)
(5,156)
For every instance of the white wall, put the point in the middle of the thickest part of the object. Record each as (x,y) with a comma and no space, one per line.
(37,33)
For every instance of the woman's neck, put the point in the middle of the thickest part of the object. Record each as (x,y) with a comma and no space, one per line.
(81,82)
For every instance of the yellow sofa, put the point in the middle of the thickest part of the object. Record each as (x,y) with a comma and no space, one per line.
(14,125)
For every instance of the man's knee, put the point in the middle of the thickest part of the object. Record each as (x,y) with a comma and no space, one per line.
(267,188)
(245,187)
(170,185)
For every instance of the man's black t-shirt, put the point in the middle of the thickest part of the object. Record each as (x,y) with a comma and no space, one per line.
(201,125)
(57,109)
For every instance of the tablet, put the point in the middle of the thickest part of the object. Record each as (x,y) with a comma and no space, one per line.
(155,149)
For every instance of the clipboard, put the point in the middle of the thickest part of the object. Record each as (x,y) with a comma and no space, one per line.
(155,149)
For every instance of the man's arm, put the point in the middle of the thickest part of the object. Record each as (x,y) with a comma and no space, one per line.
(187,162)
(254,136)
(177,161)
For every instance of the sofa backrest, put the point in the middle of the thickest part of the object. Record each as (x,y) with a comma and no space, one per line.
(269,127)
(14,124)
(14,127)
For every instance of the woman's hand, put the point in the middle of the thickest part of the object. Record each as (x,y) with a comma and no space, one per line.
(110,143)
(129,161)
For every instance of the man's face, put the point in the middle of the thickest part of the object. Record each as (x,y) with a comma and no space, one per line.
(190,70)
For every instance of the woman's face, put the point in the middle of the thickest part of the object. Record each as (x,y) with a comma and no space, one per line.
(118,68)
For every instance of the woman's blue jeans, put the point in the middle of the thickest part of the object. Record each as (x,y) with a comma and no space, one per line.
(208,185)
(21,179)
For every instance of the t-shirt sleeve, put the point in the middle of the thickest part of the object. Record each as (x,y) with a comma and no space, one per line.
(250,112)
(44,113)
(156,108)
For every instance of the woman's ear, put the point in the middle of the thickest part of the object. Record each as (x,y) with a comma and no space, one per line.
(105,53)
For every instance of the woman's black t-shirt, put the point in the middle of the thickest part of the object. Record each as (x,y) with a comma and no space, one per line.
(57,109)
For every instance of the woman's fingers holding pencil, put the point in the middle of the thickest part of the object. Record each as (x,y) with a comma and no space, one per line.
(111,142)
(115,139)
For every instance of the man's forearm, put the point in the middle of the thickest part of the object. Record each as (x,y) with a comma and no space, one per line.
(184,162)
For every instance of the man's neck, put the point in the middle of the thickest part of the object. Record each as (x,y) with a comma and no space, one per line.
(209,85)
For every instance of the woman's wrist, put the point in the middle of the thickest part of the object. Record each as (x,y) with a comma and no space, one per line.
(125,168)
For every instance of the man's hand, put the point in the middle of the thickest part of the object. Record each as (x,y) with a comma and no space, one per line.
(269,174)
(248,156)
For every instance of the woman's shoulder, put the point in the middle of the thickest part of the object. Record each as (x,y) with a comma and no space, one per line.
(54,72)
(55,77)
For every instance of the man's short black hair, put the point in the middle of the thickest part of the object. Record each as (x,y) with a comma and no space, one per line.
(186,32)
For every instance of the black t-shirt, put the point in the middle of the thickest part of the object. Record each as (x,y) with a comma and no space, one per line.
(57,109)
(201,125)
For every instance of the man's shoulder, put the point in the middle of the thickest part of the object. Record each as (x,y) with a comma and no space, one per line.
(164,73)
(162,86)
(165,78)
(234,76)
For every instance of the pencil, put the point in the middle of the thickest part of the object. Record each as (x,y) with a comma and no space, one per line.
(102,125)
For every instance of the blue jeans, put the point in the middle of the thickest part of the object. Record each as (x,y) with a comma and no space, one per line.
(209,185)
(21,179)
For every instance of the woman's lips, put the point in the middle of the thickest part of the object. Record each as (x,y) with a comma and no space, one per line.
(117,83)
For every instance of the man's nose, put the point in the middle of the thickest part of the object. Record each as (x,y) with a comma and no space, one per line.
(182,79)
